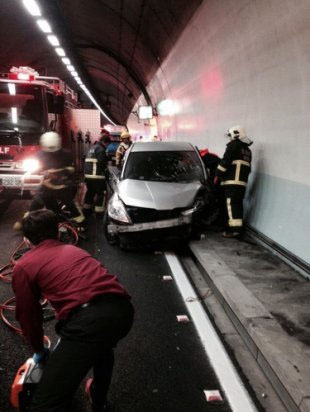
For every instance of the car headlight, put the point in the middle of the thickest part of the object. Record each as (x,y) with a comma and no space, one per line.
(31,165)
(117,211)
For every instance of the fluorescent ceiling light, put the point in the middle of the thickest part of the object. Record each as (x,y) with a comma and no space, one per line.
(12,89)
(32,7)
(71,68)
(145,112)
(53,40)
(65,60)
(44,26)
(74,73)
(60,51)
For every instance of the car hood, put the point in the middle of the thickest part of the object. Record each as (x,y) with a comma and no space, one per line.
(157,195)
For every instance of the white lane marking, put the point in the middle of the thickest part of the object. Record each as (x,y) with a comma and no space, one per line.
(230,381)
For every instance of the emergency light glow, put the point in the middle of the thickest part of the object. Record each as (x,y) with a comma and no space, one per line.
(44,26)
(60,51)
(12,89)
(31,165)
(32,7)
(24,76)
(66,61)
(14,114)
(53,40)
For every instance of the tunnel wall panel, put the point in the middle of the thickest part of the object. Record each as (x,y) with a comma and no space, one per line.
(247,62)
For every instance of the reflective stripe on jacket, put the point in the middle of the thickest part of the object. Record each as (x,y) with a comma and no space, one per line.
(96,162)
(120,152)
(235,167)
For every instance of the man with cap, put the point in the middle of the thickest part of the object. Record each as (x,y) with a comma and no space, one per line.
(123,146)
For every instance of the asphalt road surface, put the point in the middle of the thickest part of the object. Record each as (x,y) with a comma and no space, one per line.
(160,365)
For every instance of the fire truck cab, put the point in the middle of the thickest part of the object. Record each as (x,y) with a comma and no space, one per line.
(29,106)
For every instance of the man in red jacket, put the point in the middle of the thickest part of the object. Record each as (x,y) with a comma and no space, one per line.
(93,311)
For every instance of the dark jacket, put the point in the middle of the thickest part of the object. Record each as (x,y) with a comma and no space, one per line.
(96,162)
(57,168)
(235,166)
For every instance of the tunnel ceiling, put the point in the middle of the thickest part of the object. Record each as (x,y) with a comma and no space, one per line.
(115,45)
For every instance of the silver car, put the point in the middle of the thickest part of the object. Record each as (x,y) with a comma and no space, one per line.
(160,194)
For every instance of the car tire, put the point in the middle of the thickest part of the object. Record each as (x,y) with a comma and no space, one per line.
(112,239)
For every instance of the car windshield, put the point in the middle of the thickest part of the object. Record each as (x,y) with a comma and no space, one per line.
(164,166)
(21,108)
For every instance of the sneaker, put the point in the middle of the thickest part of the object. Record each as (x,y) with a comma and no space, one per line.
(228,234)
(88,391)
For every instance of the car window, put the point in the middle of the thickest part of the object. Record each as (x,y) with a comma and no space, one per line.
(164,166)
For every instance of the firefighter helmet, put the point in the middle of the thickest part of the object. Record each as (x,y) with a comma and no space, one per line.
(238,132)
(50,141)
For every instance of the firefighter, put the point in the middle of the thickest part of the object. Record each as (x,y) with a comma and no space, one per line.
(58,187)
(121,150)
(233,171)
(96,174)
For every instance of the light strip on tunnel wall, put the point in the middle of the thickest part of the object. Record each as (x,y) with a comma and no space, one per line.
(66,61)
(60,51)
(44,26)
(34,9)
(53,40)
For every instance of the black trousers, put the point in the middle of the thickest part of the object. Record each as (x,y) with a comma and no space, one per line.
(54,199)
(87,340)
(234,195)
(95,194)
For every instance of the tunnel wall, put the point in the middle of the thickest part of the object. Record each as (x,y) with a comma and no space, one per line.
(247,62)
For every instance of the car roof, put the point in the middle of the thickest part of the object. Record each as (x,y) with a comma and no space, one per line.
(162,146)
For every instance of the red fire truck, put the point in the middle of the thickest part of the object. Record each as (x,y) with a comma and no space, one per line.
(29,106)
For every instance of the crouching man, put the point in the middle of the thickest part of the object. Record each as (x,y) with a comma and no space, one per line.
(93,309)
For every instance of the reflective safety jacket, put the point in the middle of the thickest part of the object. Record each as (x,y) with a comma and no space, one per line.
(120,152)
(235,167)
(96,162)
(57,168)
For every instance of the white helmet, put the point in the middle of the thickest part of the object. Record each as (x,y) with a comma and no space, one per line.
(50,142)
(238,132)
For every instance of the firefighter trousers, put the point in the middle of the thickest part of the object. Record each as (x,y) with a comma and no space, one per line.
(234,195)
(54,199)
(95,195)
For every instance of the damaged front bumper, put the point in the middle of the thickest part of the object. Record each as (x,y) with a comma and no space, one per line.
(114,228)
